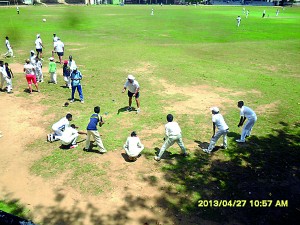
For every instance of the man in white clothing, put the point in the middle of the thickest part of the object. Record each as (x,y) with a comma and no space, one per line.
(4,78)
(219,122)
(238,20)
(69,137)
(39,46)
(59,127)
(246,113)
(9,48)
(59,48)
(173,134)
(133,91)
(133,146)
(71,64)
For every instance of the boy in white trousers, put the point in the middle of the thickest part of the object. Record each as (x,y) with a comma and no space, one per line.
(69,137)
(219,122)
(133,146)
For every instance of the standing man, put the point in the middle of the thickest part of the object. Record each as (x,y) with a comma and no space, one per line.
(264,14)
(93,131)
(173,134)
(5,78)
(246,113)
(219,122)
(133,91)
(247,13)
(10,76)
(238,20)
(54,43)
(76,77)
(9,48)
(39,46)
(71,64)
(59,48)
(59,127)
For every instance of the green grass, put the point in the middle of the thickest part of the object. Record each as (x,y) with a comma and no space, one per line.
(185,47)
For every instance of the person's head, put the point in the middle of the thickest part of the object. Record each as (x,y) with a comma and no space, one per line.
(240,104)
(97,109)
(51,59)
(27,61)
(69,116)
(6,64)
(66,62)
(31,52)
(54,34)
(38,36)
(130,78)
(133,134)
(70,57)
(169,117)
(73,126)
(214,110)
(6,38)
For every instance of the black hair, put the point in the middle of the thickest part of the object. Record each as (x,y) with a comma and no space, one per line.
(73,126)
(69,116)
(6,37)
(6,63)
(240,103)
(169,117)
(97,109)
(133,134)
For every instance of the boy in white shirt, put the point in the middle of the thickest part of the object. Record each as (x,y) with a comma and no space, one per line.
(59,127)
(9,48)
(133,146)
(133,91)
(219,122)
(69,137)
(173,134)
(246,113)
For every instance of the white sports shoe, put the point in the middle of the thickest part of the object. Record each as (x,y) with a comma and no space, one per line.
(72,100)
(156,158)
(138,110)
(240,141)
(206,150)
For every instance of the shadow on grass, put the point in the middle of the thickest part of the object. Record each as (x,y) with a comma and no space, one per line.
(268,168)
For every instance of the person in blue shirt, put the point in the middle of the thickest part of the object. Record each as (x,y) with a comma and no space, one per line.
(93,131)
(76,77)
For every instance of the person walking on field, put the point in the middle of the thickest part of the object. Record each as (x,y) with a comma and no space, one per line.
(39,46)
(219,122)
(38,70)
(76,78)
(246,113)
(92,130)
(133,146)
(9,48)
(52,71)
(10,76)
(30,75)
(5,78)
(173,134)
(59,48)
(133,91)
(238,20)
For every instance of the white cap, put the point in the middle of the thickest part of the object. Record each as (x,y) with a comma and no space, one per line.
(51,58)
(32,51)
(130,77)
(38,35)
(215,109)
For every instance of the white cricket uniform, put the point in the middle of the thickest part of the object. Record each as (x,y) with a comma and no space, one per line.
(69,136)
(72,65)
(55,39)
(5,78)
(59,46)
(132,86)
(38,43)
(173,134)
(9,49)
(133,146)
(251,119)
(222,127)
(38,71)
(238,19)
(60,126)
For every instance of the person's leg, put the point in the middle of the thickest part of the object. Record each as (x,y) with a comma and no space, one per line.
(35,83)
(138,104)
(180,143)
(213,141)
(168,142)
(9,84)
(130,101)
(73,92)
(79,89)
(54,78)
(2,81)
(88,138)
(74,139)
(98,140)
(225,139)
(248,127)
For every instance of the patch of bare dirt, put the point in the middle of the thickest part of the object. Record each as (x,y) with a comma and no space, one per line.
(267,108)
(142,69)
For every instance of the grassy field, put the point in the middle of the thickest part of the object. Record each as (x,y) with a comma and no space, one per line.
(186,60)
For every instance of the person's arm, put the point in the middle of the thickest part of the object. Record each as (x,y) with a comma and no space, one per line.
(82,132)
(136,91)
(101,122)
(214,129)
(242,120)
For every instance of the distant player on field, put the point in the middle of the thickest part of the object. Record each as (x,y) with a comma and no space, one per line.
(238,20)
